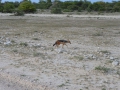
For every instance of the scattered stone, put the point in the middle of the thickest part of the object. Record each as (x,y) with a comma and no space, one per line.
(0,42)
(105,55)
(60,51)
(75,48)
(37,45)
(89,56)
(112,58)
(115,63)
(7,43)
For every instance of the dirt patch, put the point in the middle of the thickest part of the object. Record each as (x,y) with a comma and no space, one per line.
(30,62)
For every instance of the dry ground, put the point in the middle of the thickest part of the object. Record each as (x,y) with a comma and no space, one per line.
(28,61)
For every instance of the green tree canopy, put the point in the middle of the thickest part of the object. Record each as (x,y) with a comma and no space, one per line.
(8,7)
(116,7)
(44,4)
(27,7)
(99,6)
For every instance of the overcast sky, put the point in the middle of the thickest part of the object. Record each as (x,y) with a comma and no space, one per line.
(63,0)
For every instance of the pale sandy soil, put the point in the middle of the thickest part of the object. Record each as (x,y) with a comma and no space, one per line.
(28,60)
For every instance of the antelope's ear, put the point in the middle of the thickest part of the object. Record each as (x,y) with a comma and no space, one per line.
(69,41)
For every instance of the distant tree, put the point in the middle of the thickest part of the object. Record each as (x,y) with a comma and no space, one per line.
(27,7)
(1,7)
(45,4)
(79,3)
(85,5)
(109,7)
(99,6)
(66,4)
(36,5)
(72,7)
(42,4)
(49,3)
(56,4)
(102,6)
(56,7)
(8,7)
(56,10)
(116,7)
(89,8)
(16,4)
(26,0)
(17,12)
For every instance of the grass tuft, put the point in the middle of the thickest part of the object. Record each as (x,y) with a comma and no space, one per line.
(23,44)
(102,68)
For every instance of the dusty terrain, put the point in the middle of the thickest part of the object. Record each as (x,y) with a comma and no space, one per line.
(28,60)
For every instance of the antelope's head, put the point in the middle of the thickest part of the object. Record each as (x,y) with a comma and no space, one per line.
(69,41)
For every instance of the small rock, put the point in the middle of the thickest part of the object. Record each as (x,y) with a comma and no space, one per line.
(89,56)
(115,63)
(60,51)
(94,57)
(111,58)
(37,45)
(106,55)
(0,42)
(7,43)
(75,48)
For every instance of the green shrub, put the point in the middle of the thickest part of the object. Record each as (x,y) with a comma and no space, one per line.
(18,13)
(105,52)
(35,38)
(79,57)
(98,34)
(102,68)
(27,7)
(36,54)
(72,7)
(1,8)
(56,11)
(67,10)
(79,9)
(23,44)
(8,7)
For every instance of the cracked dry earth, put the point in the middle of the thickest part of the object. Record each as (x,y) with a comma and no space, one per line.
(28,61)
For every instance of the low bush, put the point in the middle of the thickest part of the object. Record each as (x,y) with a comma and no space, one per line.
(18,13)
(56,11)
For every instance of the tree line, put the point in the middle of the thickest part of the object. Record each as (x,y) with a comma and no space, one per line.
(57,6)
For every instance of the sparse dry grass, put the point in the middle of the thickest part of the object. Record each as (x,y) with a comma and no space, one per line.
(32,56)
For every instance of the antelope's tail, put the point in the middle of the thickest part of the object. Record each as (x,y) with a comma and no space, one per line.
(54,44)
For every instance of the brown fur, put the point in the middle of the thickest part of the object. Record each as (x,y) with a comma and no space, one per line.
(63,42)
